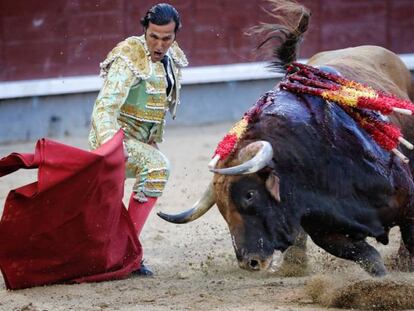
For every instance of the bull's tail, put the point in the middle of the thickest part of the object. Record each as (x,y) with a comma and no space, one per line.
(293,21)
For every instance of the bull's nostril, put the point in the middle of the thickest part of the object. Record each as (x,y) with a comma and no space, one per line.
(254,264)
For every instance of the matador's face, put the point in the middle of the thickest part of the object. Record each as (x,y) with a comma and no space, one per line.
(159,39)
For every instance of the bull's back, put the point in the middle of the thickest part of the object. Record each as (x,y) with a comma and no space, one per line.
(371,65)
(379,68)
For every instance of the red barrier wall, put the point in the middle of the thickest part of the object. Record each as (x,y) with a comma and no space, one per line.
(53,38)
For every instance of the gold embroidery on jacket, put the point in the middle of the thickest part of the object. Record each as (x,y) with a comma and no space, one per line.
(148,115)
(156,102)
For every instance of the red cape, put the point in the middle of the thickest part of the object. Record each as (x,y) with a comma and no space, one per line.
(70,225)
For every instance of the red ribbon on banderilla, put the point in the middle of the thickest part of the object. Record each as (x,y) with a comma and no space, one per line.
(356,99)
(229,142)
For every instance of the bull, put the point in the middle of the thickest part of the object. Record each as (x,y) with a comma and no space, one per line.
(304,164)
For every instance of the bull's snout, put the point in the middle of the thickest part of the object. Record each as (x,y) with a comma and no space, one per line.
(255,263)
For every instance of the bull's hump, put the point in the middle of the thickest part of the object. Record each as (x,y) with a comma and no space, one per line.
(289,106)
(319,124)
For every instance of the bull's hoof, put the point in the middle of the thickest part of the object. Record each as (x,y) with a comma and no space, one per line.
(295,263)
(376,269)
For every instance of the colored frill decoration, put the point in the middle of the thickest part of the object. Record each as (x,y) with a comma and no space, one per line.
(361,102)
(229,142)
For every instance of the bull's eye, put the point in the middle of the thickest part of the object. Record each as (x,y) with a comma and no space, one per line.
(250,195)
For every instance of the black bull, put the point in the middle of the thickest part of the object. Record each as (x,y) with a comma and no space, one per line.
(326,176)
(335,183)
(305,164)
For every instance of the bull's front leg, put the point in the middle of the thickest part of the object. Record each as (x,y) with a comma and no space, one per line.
(358,251)
(405,256)
(295,260)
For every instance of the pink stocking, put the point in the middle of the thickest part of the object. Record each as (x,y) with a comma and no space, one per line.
(139,212)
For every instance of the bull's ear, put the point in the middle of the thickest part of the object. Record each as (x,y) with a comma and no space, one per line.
(272,185)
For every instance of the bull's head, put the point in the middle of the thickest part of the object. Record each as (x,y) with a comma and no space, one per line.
(247,194)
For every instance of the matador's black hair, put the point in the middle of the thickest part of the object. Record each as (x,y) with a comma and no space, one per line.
(162,14)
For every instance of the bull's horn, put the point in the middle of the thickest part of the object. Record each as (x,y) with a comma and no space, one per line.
(261,159)
(199,209)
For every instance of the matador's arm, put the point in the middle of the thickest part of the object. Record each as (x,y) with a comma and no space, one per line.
(112,96)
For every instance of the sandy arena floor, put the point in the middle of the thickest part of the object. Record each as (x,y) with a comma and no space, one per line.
(195,264)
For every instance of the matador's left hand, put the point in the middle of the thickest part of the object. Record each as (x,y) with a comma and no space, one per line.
(126,155)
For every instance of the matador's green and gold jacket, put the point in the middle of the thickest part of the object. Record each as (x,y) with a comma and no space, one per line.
(134,93)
